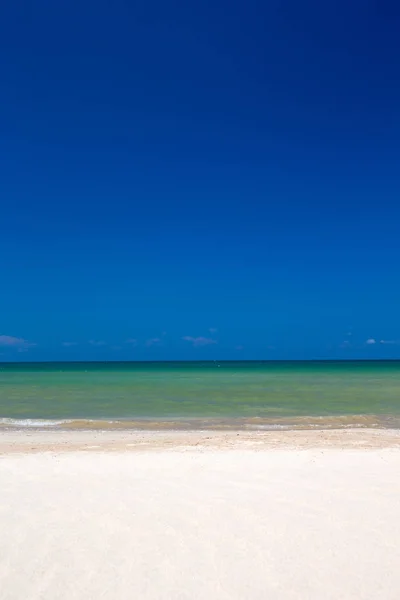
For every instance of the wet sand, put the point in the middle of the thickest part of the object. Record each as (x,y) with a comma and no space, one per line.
(30,440)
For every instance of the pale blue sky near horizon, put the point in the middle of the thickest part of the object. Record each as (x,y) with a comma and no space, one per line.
(192,180)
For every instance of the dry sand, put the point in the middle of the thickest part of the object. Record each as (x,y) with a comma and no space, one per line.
(287,515)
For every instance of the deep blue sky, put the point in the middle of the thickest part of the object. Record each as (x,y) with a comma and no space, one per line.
(168,168)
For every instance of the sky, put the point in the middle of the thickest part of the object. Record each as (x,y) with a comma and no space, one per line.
(199,180)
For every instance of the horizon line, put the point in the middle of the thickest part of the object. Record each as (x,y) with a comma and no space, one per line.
(225,360)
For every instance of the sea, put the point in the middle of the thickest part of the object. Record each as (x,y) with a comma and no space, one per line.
(200,395)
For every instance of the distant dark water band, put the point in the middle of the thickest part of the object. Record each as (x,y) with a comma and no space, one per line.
(221,424)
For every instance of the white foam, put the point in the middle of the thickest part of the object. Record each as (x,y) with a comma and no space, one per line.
(6,422)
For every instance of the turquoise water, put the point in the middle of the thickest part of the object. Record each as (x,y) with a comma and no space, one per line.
(201,394)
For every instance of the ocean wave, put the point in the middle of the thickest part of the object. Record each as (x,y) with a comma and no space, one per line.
(7,422)
(205,424)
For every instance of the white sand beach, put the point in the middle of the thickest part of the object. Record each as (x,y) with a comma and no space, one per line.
(224,516)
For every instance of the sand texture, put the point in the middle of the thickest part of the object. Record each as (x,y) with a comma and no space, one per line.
(203,517)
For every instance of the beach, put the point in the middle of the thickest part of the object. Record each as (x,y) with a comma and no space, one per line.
(193,515)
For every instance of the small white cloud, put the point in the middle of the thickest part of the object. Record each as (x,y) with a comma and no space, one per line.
(69,344)
(97,343)
(392,342)
(370,341)
(153,341)
(15,342)
(199,341)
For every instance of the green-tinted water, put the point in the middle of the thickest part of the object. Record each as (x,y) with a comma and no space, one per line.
(209,393)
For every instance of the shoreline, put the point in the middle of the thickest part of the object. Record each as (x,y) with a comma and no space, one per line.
(211,423)
(27,441)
